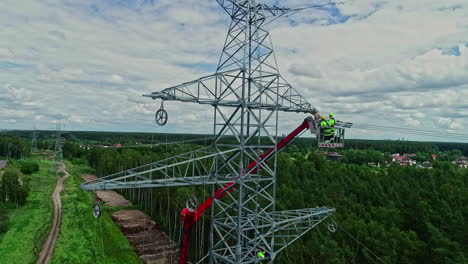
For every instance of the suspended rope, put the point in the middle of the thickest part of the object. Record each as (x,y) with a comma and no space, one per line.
(295,10)
(143,145)
(359,242)
(410,131)
(95,241)
(102,241)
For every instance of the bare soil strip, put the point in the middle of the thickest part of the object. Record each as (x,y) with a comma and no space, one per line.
(49,246)
(110,198)
(152,245)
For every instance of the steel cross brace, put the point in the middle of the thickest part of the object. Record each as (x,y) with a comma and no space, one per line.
(284,227)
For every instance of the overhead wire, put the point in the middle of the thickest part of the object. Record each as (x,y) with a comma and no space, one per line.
(359,242)
(409,131)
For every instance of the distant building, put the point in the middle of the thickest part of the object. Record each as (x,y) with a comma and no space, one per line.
(426,164)
(404,160)
(434,156)
(461,161)
(397,158)
(373,164)
(333,156)
(403,164)
(117,145)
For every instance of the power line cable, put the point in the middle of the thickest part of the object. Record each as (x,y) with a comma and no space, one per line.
(360,243)
(402,131)
(410,129)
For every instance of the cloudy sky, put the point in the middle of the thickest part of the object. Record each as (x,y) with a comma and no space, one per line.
(401,63)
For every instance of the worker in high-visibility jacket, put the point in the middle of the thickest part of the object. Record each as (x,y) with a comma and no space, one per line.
(331,120)
(325,129)
(260,255)
(331,124)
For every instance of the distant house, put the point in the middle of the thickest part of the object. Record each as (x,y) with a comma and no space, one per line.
(117,145)
(333,156)
(403,164)
(410,161)
(397,158)
(404,160)
(85,147)
(426,164)
(461,161)
(434,156)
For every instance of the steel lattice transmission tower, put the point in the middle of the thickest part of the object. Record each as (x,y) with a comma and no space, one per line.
(247,92)
(58,145)
(34,141)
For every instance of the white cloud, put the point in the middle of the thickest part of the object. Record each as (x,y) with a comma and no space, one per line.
(450,123)
(89,62)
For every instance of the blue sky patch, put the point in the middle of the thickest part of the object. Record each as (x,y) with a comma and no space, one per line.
(207,67)
(455,51)
(4,65)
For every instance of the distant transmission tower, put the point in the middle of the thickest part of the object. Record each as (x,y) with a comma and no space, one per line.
(58,154)
(34,141)
(246,93)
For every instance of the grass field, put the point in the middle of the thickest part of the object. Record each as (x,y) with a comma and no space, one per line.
(29,225)
(84,239)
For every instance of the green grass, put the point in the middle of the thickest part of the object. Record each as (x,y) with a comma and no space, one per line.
(29,225)
(84,239)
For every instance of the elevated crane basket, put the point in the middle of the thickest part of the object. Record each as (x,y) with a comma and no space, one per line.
(336,140)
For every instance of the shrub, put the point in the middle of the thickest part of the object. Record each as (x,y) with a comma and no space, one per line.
(29,167)
(14,190)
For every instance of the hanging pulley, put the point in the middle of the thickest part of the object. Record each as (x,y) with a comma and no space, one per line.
(332,226)
(96,210)
(192,203)
(161,116)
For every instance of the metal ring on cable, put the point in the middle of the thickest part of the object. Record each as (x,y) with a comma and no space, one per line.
(161,116)
(192,203)
(332,226)
(96,210)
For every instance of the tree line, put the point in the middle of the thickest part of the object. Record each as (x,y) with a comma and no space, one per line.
(403,215)
(12,147)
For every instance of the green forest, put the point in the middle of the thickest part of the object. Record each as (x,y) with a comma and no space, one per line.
(383,214)
(403,215)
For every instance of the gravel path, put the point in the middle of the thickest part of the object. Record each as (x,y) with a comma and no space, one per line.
(49,246)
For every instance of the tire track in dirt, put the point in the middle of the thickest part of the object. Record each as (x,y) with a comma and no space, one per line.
(49,246)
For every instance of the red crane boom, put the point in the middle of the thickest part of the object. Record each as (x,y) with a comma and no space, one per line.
(189,218)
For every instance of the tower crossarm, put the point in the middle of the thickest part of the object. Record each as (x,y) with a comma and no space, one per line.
(223,89)
(285,227)
(192,168)
(268,12)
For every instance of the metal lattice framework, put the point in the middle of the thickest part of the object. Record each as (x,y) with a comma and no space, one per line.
(34,141)
(247,92)
(57,158)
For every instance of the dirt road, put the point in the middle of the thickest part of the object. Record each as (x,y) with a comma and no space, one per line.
(48,249)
